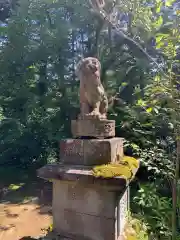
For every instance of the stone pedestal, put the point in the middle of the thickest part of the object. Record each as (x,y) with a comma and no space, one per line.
(86,207)
(93,128)
(90,151)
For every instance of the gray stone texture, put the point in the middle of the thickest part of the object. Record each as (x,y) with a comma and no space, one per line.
(93,128)
(81,174)
(87,212)
(90,151)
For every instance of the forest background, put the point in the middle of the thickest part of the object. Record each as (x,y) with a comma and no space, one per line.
(41,42)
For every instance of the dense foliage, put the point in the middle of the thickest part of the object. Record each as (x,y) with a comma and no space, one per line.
(40,44)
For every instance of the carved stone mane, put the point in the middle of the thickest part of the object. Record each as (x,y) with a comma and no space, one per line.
(93,99)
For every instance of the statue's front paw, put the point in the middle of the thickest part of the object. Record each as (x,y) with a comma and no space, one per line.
(103,116)
(94,114)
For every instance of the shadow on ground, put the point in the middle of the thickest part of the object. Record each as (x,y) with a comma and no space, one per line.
(25,205)
(49,236)
(28,238)
(20,186)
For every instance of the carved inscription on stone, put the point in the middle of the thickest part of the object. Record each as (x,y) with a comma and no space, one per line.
(72,147)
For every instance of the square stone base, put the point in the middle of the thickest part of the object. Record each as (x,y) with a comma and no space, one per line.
(103,128)
(88,212)
(86,207)
(90,152)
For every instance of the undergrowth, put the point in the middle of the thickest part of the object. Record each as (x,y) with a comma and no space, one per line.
(135,229)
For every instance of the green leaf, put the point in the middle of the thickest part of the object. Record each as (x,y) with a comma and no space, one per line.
(141,103)
(3,30)
(134,146)
(160,45)
(159,5)
(157,78)
(171,126)
(124,84)
(158,1)
(158,22)
(32,67)
(159,38)
(169,3)
(156,110)
(14,187)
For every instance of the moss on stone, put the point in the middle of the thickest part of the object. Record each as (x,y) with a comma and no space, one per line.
(125,167)
(131,161)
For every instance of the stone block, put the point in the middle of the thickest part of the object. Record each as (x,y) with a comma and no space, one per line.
(93,128)
(123,206)
(90,152)
(85,199)
(84,227)
(82,211)
(82,175)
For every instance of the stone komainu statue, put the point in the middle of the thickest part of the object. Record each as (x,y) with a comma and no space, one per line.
(93,99)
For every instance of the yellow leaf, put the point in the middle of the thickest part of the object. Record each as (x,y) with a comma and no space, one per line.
(148,110)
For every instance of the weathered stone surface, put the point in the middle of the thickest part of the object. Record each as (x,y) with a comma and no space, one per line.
(88,212)
(90,151)
(83,226)
(80,174)
(88,199)
(123,207)
(93,99)
(93,128)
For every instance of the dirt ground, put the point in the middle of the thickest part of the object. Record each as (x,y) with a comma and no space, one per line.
(18,221)
(25,211)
